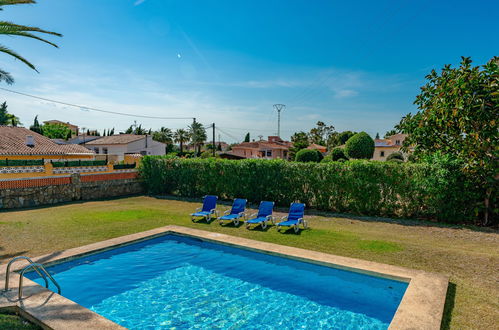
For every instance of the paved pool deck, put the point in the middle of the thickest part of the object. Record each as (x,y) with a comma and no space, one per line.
(421,307)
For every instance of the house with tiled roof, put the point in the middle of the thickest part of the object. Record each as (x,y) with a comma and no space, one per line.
(121,145)
(273,148)
(73,128)
(315,146)
(385,147)
(21,143)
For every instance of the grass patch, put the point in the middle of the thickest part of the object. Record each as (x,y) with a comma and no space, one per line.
(469,257)
(379,246)
(12,321)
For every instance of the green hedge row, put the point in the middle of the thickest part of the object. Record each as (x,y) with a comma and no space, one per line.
(21,162)
(75,163)
(123,166)
(438,190)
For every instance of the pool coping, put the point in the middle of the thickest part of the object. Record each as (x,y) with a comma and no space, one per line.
(421,307)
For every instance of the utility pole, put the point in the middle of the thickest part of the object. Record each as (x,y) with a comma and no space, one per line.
(278,108)
(213,140)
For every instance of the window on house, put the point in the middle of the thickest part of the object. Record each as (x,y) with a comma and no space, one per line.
(269,153)
(382,154)
(96,150)
(397,142)
(104,151)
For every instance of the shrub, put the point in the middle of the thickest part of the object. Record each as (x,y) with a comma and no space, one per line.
(395,160)
(436,189)
(327,159)
(396,155)
(337,154)
(360,146)
(124,166)
(308,155)
(21,162)
(77,163)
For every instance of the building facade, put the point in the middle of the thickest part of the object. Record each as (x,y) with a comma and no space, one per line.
(273,148)
(124,144)
(385,147)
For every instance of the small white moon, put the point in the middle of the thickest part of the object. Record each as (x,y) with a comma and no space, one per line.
(179,56)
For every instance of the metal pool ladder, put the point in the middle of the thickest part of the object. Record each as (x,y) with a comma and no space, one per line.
(37,267)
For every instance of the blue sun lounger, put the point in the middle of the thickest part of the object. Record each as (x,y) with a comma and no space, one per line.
(294,218)
(263,217)
(236,213)
(208,210)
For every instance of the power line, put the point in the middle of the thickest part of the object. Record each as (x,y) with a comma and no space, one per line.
(81,107)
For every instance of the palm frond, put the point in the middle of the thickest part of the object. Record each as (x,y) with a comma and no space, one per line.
(5,76)
(28,35)
(6,27)
(15,2)
(12,53)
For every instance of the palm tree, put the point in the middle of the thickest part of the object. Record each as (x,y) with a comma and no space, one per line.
(164,135)
(12,29)
(198,135)
(181,136)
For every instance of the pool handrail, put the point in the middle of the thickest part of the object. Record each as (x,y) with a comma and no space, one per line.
(35,266)
(7,273)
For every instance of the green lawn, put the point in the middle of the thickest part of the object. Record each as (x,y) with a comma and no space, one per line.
(12,321)
(469,257)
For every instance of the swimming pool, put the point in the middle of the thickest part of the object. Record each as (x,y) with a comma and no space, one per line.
(182,282)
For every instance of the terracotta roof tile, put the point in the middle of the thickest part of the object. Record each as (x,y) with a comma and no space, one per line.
(13,142)
(117,139)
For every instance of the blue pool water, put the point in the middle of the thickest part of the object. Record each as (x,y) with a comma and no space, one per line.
(180,282)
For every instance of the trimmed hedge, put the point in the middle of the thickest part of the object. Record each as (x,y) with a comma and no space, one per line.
(77,163)
(123,166)
(439,191)
(21,162)
(308,155)
(337,154)
(359,146)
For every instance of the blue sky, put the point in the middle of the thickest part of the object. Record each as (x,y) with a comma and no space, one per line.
(357,65)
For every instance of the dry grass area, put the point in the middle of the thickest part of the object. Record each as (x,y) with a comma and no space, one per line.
(470,257)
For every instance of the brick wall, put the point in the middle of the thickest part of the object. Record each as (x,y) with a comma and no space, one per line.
(43,191)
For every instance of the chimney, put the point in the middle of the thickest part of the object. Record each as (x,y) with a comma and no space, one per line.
(30,141)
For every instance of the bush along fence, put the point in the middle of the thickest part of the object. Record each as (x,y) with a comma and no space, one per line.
(77,163)
(417,190)
(21,162)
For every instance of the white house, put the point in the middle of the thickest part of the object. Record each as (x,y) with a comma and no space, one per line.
(122,144)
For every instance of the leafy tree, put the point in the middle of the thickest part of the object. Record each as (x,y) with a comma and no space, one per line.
(337,154)
(308,155)
(396,155)
(339,139)
(36,127)
(11,29)
(360,146)
(377,136)
(181,136)
(111,133)
(198,135)
(164,135)
(6,118)
(390,133)
(247,137)
(458,113)
(321,133)
(129,130)
(219,147)
(56,131)
(300,141)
